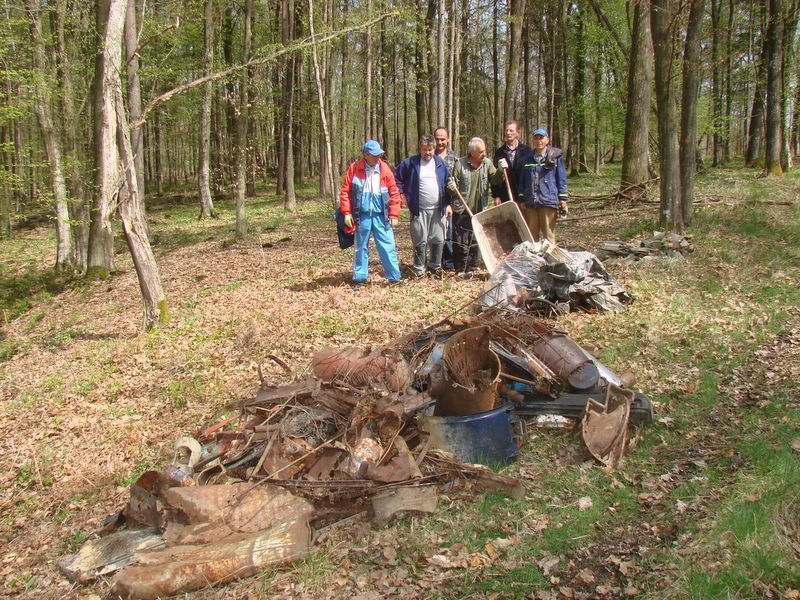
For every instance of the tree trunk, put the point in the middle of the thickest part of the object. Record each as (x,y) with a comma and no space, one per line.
(290,199)
(661,16)
(637,112)
(598,148)
(368,133)
(755,133)
(516,12)
(204,168)
(100,257)
(441,69)
(158,164)
(452,47)
(728,123)
(326,173)
(135,228)
(79,207)
(792,11)
(242,123)
(717,84)
(135,98)
(772,156)
(578,100)
(52,141)
(497,119)
(692,76)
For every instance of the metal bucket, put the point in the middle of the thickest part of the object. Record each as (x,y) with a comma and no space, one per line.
(485,438)
(465,381)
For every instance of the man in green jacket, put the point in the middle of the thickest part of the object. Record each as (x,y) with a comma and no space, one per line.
(473,177)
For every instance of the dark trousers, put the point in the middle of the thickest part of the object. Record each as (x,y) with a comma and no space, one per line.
(447,253)
(465,247)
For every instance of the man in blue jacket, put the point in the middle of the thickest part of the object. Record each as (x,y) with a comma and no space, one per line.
(422,179)
(544,187)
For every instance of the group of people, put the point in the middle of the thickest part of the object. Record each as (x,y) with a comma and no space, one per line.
(442,192)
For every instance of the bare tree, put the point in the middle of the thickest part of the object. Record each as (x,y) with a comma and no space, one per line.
(242,123)
(203,167)
(290,198)
(134,94)
(772,156)
(100,256)
(65,258)
(662,18)
(516,12)
(637,112)
(327,175)
(692,72)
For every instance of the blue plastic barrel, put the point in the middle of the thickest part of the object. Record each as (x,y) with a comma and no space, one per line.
(485,438)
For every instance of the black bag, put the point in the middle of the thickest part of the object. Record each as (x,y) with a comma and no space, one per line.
(345,239)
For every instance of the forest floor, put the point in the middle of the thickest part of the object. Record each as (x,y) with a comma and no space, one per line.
(705,505)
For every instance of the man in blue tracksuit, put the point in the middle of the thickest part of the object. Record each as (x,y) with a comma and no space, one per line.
(544,187)
(370,202)
(422,179)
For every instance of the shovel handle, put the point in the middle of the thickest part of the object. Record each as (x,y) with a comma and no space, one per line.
(508,184)
(460,197)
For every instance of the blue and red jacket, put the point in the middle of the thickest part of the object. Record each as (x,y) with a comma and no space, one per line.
(388,201)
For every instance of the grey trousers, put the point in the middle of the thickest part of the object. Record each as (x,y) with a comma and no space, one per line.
(427,236)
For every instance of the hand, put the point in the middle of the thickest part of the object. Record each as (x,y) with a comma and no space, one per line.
(403,201)
(448,212)
(451,185)
(497,201)
(502,163)
(348,221)
(393,222)
(563,209)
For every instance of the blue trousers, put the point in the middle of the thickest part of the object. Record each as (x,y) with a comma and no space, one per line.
(375,224)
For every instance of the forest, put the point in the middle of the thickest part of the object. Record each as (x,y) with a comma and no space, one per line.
(223,99)
(169,171)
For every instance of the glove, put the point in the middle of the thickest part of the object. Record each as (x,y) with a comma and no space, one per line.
(451,185)
(393,223)
(563,209)
(502,163)
(348,221)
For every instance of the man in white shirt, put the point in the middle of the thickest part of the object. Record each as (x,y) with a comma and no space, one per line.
(422,179)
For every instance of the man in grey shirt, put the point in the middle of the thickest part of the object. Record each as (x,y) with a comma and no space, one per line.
(422,179)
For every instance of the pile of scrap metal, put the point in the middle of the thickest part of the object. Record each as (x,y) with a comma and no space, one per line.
(661,244)
(373,432)
(538,275)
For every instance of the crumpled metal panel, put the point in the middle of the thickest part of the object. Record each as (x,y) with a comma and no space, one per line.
(605,426)
(162,573)
(108,554)
(214,512)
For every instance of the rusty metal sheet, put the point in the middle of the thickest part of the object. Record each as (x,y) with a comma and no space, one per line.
(211,513)
(421,498)
(604,428)
(324,465)
(170,571)
(145,505)
(356,368)
(108,554)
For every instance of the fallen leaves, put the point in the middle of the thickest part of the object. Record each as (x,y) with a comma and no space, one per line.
(585,503)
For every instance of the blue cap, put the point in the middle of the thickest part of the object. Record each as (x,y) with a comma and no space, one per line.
(372,147)
(540,132)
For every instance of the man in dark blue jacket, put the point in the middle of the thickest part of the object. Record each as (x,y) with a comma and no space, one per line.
(544,187)
(422,179)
